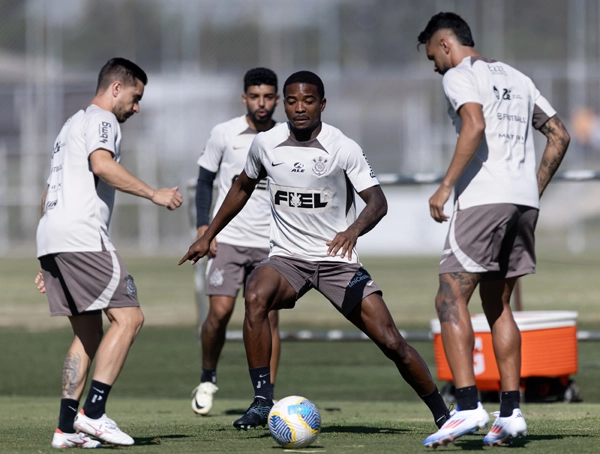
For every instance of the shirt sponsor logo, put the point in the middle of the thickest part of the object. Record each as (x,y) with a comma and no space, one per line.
(496,70)
(301,200)
(57,168)
(50,205)
(371,174)
(511,136)
(319,167)
(57,147)
(103,131)
(508,117)
(298,167)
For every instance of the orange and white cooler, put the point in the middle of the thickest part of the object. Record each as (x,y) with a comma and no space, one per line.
(548,347)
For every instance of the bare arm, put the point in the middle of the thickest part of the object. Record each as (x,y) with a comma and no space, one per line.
(117,176)
(470,136)
(39,279)
(369,217)
(236,199)
(556,147)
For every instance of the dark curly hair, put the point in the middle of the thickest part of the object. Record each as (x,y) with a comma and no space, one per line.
(260,76)
(450,21)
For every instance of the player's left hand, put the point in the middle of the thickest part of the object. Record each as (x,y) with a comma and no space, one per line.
(437,201)
(39,280)
(199,249)
(344,243)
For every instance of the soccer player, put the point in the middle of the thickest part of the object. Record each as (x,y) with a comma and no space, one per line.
(490,241)
(81,273)
(244,243)
(313,170)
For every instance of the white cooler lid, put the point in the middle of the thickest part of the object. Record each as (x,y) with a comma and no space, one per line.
(526,321)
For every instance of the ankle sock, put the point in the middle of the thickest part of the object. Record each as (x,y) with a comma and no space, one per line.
(261,380)
(437,406)
(66,416)
(95,404)
(509,400)
(467,398)
(209,375)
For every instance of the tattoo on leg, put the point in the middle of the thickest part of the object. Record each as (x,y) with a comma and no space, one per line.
(466,282)
(447,307)
(70,375)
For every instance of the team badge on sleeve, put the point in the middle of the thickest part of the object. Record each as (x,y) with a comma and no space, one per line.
(319,167)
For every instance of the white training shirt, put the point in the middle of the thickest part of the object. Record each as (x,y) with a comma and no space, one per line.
(312,186)
(225,152)
(504,167)
(79,204)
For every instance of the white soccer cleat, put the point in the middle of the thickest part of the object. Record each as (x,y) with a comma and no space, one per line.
(63,440)
(103,428)
(460,423)
(202,397)
(506,429)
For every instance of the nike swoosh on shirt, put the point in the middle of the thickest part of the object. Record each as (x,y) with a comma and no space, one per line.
(275,164)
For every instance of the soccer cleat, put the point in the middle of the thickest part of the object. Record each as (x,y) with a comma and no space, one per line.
(506,429)
(76,440)
(202,395)
(103,428)
(256,415)
(460,423)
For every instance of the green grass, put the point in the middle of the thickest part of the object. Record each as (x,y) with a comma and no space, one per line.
(365,405)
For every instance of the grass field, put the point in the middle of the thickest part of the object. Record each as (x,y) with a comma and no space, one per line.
(364,404)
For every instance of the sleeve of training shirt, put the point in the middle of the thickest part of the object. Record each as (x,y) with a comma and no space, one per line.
(542,110)
(357,167)
(102,130)
(211,156)
(254,167)
(460,87)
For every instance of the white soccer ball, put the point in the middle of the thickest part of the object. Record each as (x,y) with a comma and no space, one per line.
(294,422)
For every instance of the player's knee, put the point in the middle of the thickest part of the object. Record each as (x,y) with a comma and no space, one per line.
(256,303)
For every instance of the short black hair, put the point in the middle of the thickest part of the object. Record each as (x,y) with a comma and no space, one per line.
(450,21)
(122,70)
(306,77)
(260,76)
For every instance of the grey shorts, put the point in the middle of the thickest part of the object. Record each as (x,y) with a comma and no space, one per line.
(84,282)
(343,284)
(496,239)
(229,270)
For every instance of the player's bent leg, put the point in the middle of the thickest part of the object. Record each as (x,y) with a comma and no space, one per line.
(451,302)
(275,344)
(506,337)
(125,324)
(87,330)
(213,334)
(373,318)
(267,289)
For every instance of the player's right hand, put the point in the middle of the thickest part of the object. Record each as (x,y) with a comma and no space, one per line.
(437,201)
(213,244)
(168,197)
(39,280)
(199,249)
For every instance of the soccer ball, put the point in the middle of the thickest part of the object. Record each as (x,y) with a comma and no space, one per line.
(294,422)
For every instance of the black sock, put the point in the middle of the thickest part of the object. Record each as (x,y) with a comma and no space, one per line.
(209,375)
(261,380)
(272,390)
(66,417)
(467,398)
(438,408)
(509,400)
(95,404)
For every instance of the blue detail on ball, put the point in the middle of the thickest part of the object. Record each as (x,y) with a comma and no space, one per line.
(280,430)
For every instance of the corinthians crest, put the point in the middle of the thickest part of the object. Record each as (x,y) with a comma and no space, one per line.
(319,168)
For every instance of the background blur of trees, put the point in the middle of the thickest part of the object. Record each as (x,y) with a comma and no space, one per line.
(382,91)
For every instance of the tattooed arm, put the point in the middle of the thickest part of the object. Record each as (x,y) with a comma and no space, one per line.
(556,147)
(369,217)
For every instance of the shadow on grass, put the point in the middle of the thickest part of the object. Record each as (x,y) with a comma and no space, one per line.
(476,444)
(363,430)
(156,441)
